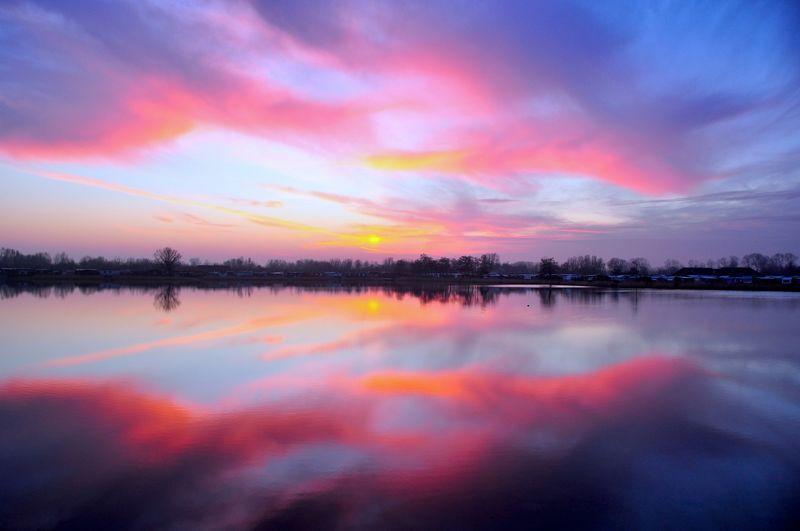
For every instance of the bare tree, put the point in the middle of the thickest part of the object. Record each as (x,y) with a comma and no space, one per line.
(548,267)
(731,261)
(466,265)
(585,265)
(488,262)
(782,263)
(618,266)
(639,266)
(168,257)
(62,259)
(757,261)
(670,266)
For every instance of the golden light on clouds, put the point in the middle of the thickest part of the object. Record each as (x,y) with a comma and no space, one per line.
(408,161)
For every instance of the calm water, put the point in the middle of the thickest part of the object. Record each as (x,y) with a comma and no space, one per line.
(379,409)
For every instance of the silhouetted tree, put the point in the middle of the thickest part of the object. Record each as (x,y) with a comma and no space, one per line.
(757,261)
(424,265)
(402,268)
(488,262)
(670,266)
(517,268)
(466,265)
(585,265)
(240,263)
(469,266)
(548,267)
(62,260)
(443,265)
(618,266)
(168,257)
(731,261)
(782,264)
(14,258)
(639,266)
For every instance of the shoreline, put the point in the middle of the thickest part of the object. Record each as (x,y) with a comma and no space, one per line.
(167,280)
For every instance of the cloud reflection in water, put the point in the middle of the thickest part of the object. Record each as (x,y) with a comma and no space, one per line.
(618,447)
(448,409)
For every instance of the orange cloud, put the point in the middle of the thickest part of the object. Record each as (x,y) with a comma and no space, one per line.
(483,162)
(437,161)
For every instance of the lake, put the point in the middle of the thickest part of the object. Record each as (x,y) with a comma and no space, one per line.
(398,408)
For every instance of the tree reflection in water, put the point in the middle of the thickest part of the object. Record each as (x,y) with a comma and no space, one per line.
(167,298)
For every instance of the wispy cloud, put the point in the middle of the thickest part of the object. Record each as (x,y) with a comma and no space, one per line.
(194,220)
(456,219)
(256,202)
(360,236)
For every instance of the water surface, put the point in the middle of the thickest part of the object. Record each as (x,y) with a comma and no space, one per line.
(372,408)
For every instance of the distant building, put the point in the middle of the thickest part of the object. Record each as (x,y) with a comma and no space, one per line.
(728,275)
(721,272)
(735,272)
(16,271)
(695,271)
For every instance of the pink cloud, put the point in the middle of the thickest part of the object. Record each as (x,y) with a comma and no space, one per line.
(107,100)
(494,97)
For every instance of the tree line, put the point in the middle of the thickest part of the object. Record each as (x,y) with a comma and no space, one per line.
(169,259)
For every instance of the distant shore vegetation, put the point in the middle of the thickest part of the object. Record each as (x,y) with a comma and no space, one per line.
(170,261)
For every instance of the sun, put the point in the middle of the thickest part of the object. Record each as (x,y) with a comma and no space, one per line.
(374,239)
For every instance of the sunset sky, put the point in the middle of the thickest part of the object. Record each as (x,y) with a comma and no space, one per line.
(368,129)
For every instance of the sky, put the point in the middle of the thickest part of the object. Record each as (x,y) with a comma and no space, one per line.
(371,129)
